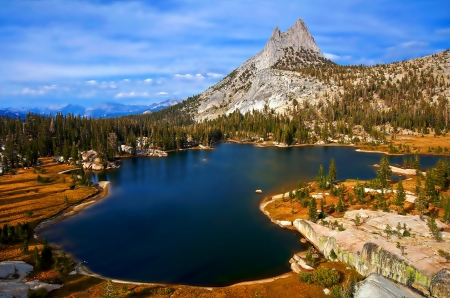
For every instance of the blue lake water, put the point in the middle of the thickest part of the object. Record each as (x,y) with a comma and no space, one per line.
(193,217)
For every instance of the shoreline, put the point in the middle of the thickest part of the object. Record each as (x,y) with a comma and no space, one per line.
(69,211)
(260,145)
(81,269)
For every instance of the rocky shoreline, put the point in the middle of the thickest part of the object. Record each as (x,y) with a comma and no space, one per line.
(413,261)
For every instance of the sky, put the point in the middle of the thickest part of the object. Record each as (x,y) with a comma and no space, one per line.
(83,52)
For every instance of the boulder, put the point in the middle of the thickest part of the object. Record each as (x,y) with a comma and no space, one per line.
(97,167)
(377,286)
(284,223)
(10,268)
(440,284)
(36,284)
(13,290)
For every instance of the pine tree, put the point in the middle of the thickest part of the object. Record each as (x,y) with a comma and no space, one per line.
(431,222)
(320,179)
(421,203)
(384,173)
(340,205)
(46,254)
(37,259)
(312,210)
(446,207)
(400,196)
(418,185)
(430,189)
(332,173)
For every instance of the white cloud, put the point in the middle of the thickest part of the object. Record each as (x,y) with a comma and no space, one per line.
(411,44)
(126,80)
(443,31)
(29,91)
(185,76)
(214,75)
(39,91)
(91,82)
(336,57)
(162,93)
(189,76)
(50,87)
(148,81)
(132,94)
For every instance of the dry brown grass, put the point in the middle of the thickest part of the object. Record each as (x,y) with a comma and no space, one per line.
(422,144)
(290,286)
(82,286)
(22,193)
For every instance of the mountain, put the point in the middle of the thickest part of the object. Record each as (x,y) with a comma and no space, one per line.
(291,76)
(259,83)
(104,110)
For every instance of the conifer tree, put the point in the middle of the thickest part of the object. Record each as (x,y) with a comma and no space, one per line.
(431,222)
(340,205)
(400,196)
(385,172)
(312,210)
(320,179)
(332,173)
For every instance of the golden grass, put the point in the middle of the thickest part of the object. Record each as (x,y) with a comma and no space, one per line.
(423,143)
(22,193)
(82,286)
(426,144)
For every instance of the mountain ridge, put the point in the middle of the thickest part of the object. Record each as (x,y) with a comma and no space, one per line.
(107,109)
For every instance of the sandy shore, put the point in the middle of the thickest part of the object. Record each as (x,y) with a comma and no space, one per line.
(81,269)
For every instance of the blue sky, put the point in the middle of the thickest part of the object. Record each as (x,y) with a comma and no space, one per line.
(140,52)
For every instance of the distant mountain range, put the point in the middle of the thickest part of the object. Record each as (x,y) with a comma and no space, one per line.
(110,109)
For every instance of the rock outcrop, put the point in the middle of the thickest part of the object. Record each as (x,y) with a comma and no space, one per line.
(297,37)
(440,286)
(411,260)
(377,286)
(11,275)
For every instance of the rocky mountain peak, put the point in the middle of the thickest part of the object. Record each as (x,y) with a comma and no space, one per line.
(297,37)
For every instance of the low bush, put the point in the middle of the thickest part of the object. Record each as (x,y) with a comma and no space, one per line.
(326,277)
(306,277)
(323,276)
(444,254)
(337,291)
(39,293)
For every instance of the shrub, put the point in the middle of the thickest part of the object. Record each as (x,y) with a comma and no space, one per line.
(39,293)
(444,254)
(306,277)
(326,277)
(337,291)
(333,255)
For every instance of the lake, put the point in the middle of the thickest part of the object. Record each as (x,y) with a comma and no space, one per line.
(193,217)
